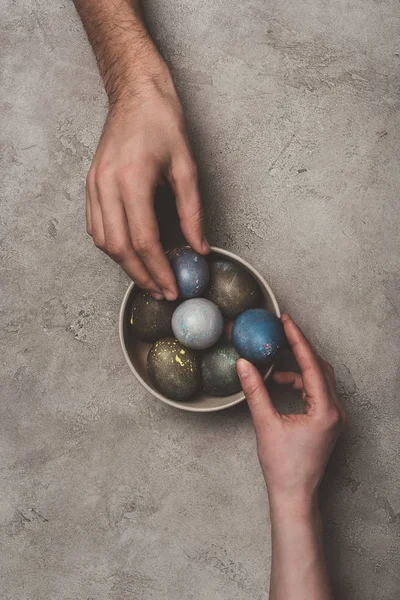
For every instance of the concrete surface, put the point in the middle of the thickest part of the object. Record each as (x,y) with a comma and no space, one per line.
(106,494)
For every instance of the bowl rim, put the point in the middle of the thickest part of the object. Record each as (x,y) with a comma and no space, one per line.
(155,393)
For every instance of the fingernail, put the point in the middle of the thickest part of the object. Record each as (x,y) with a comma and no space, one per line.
(157,296)
(205,246)
(170,295)
(242,368)
(285,317)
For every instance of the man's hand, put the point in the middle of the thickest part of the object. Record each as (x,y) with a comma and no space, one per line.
(143,142)
(294,449)
(293,452)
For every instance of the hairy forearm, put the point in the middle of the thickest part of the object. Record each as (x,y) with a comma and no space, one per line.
(298,565)
(125,53)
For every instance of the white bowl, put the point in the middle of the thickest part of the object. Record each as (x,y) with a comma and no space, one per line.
(136,352)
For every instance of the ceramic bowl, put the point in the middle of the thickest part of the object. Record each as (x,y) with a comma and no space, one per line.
(136,352)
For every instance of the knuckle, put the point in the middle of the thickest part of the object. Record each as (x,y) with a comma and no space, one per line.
(116,250)
(130,172)
(125,174)
(99,242)
(185,170)
(254,390)
(198,216)
(333,418)
(143,246)
(193,219)
(103,172)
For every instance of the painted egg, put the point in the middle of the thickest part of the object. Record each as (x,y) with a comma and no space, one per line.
(258,335)
(232,288)
(191,271)
(197,323)
(218,370)
(173,369)
(150,319)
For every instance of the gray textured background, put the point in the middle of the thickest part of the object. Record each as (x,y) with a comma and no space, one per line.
(294,113)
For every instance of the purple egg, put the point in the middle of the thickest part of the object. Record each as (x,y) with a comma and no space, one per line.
(191,271)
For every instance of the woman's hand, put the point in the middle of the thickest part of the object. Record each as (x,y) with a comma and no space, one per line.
(293,452)
(294,449)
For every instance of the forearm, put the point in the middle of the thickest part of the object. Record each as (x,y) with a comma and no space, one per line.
(298,564)
(126,55)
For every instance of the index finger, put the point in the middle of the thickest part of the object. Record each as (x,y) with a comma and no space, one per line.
(313,379)
(138,198)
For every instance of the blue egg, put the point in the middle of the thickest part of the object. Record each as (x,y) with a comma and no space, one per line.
(191,271)
(197,323)
(258,335)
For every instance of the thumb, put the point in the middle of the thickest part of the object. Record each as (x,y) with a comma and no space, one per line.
(260,404)
(190,210)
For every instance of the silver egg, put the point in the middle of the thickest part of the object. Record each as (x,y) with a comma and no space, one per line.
(197,323)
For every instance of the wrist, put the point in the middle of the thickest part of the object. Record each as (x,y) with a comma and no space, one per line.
(138,81)
(132,64)
(295,506)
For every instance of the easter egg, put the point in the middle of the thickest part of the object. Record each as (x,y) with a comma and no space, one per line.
(150,319)
(173,369)
(218,370)
(191,271)
(197,323)
(258,335)
(232,288)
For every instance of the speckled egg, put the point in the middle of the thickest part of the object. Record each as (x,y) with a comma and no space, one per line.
(258,335)
(173,369)
(197,323)
(150,319)
(218,370)
(191,271)
(232,288)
